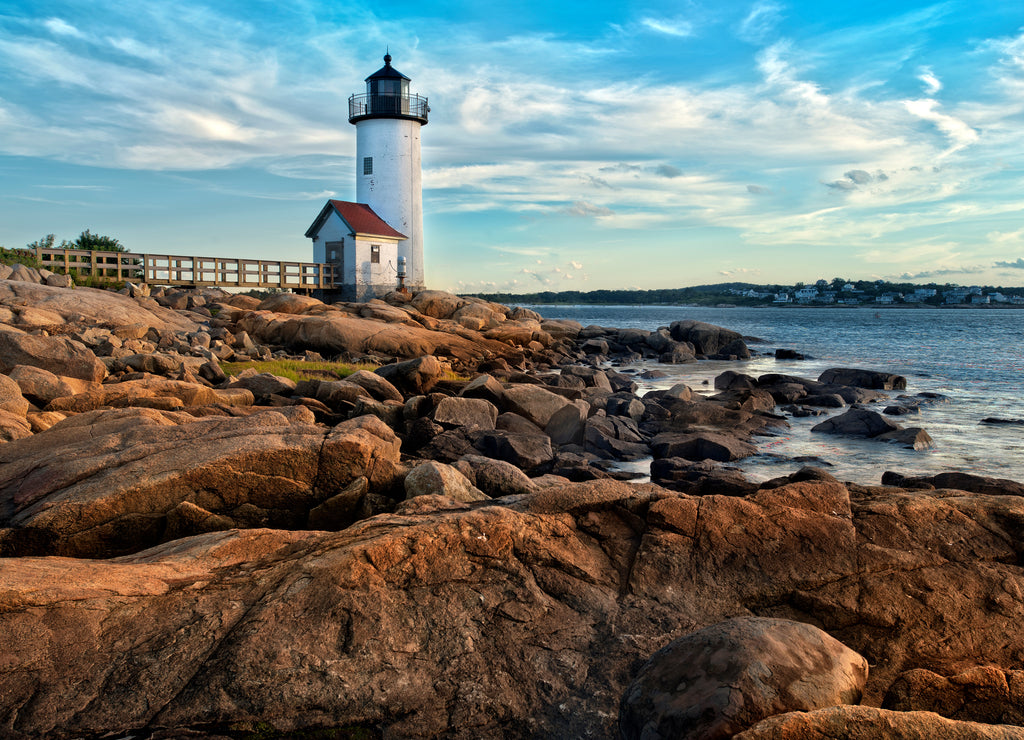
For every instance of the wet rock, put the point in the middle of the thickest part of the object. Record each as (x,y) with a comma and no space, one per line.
(863,379)
(913,437)
(957,481)
(856,423)
(734,350)
(901,410)
(732,380)
(727,677)
(701,446)
(707,339)
(788,354)
(825,400)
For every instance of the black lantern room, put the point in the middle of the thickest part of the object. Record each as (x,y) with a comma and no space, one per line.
(387,96)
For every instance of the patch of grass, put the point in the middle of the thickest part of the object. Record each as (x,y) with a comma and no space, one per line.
(297,370)
(19,257)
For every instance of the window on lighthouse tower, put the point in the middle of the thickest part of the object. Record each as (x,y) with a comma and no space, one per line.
(367,165)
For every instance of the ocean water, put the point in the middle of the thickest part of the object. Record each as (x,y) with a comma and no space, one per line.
(975,357)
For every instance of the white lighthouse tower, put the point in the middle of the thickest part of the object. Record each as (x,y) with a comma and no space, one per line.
(388,119)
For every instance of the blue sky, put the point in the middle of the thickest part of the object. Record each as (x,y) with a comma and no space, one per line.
(570,146)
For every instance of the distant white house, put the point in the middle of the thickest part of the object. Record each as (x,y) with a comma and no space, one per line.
(361,246)
(782,298)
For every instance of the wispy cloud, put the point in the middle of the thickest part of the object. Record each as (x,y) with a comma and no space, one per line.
(59,27)
(679,27)
(760,22)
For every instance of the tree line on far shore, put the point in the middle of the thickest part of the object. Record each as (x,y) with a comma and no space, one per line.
(726,293)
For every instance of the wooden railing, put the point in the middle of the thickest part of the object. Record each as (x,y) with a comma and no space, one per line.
(169,269)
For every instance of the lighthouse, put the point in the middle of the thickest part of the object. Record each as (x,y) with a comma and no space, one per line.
(388,118)
(375,245)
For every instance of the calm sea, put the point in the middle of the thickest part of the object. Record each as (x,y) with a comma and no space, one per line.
(975,357)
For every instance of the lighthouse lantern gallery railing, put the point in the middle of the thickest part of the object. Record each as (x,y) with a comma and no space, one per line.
(371,104)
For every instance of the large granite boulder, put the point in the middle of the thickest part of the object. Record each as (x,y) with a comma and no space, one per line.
(336,332)
(727,677)
(293,303)
(59,355)
(437,303)
(91,305)
(103,482)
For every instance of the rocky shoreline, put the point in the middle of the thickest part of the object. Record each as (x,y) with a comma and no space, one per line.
(443,544)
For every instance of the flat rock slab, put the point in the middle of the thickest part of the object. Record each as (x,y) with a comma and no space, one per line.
(870,723)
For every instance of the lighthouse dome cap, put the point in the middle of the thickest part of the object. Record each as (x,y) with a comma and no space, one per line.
(387,72)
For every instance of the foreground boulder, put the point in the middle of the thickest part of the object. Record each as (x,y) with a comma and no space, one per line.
(723,679)
(528,618)
(104,482)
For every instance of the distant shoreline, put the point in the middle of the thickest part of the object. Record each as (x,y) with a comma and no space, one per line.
(861,307)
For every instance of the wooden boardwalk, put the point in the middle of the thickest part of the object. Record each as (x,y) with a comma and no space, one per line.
(169,269)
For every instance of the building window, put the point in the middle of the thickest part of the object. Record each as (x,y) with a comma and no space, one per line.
(334,250)
(367,165)
(375,254)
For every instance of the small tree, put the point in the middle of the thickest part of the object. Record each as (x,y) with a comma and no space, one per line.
(88,240)
(47,243)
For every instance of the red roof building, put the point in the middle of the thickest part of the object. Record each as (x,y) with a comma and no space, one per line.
(359,217)
(360,247)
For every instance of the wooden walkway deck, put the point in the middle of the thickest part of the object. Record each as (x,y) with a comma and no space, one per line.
(169,269)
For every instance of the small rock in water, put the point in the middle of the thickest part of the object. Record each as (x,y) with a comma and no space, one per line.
(901,410)
(998,420)
(788,354)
